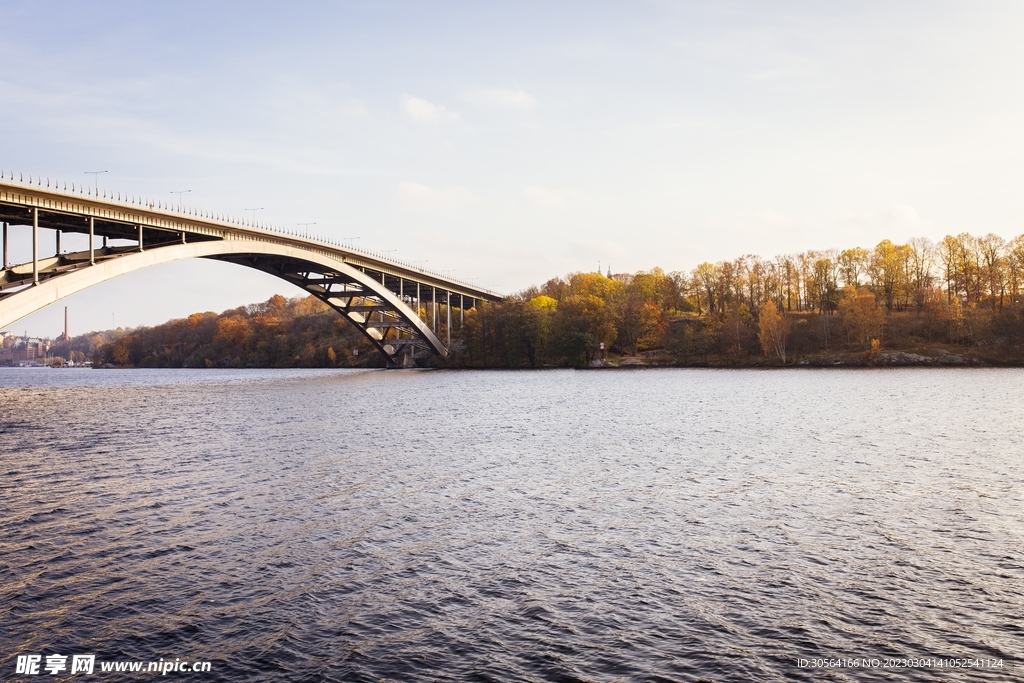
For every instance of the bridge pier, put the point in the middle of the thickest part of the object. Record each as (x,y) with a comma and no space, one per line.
(92,241)
(35,246)
(5,245)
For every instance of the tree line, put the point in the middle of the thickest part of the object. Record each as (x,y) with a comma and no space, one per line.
(964,291)
(278,333)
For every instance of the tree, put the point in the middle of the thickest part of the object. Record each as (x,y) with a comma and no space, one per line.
(852,264)
(705,279)
(638,319)
(863,318)
(1015,268)
(581,323)
(886,270)
(993,265)
(736,333)
(922,257)
(774,331)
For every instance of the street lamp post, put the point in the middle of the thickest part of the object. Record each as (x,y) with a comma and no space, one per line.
(180,193)
(96,177)
(260,208)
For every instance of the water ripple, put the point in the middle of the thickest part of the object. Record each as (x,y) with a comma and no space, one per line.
(677,525)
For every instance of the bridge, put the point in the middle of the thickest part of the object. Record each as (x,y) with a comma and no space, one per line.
(404,311)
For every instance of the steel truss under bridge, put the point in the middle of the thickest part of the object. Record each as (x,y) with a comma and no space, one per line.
(403,310)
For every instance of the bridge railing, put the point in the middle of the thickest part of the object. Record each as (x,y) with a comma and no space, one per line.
(230,222)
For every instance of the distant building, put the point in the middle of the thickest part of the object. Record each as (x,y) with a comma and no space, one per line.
(23,349)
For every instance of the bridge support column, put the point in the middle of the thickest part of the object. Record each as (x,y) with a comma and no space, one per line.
(433,307)
(462,310)
(448,308)
(58,242)
(418,300)
(35,246)
(401,297)
(140,236)
(92,241)
(5,246)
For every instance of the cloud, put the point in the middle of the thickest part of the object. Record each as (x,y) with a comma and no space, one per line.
(422,110)
(355,109)
(449,199)
(547,198)
(764,222)
(896,220)
(501,97)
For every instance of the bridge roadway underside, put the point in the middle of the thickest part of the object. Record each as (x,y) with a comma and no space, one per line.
(402,315)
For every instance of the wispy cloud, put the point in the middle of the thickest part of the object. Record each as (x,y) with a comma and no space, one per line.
(448,199)
(893,222)
(354,108)
(501,97)
(422,110)
(548,198)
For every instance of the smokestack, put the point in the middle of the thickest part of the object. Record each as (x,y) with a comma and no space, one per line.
(67,337)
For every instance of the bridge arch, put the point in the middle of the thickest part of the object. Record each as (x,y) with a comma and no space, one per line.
(383,317)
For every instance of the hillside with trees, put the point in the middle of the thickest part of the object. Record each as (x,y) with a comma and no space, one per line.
(278,333)
(959,301)
(954,302)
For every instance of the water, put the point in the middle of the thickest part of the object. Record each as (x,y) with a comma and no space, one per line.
(656,525)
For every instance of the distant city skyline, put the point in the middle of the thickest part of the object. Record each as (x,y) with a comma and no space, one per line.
(516,142)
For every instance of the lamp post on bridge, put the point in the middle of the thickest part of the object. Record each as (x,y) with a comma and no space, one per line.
(96,178)
(260,208)
(305,226)
(180,193)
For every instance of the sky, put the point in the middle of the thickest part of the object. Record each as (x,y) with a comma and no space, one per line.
(510,142)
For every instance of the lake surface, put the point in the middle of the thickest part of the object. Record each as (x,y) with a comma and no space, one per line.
(650,525)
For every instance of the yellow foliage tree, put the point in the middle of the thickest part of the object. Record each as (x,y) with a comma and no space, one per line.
(543,302)
(773,332)
(863,318)
(234,331)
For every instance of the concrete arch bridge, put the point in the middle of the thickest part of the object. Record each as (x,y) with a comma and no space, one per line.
(401,309)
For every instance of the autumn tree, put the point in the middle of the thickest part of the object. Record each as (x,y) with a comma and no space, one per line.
(863,319)
(773,331)
(852,264)
(580,324)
